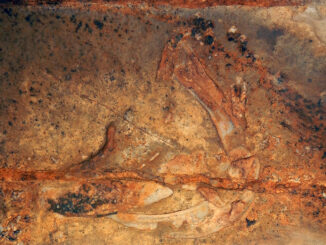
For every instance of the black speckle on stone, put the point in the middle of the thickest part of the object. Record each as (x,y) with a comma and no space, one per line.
(208,40)
(316,213)
(10,123)
(250,222)
(76,203)
(195,31)
(280,79)
(29,19)
(66,205)
(68,77)
(26,218)
(324,155)
(286,125)
(178,37)
(237,90)
(10,238)
(243,47)
(87,27)
(233,36)
(53,2)
(209,24)
(8,11)
(112,78)
(4,132)
(198,21)
(98,24)
(73,18)
(78,26)
(316,128)
(86,188)
(57,16)
(201,25)
(309,80)
(251,56)
(293,192)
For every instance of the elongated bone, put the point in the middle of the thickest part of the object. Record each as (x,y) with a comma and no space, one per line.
(182,63)
(198,221)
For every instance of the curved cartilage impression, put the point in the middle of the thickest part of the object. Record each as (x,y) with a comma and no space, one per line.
(201,220)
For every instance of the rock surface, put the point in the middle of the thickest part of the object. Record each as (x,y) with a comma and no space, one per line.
(174,122)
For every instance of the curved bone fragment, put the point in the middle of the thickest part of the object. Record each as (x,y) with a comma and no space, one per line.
(197,221)
(186,67)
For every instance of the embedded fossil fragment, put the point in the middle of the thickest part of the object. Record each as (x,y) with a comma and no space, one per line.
(84,190)
(101,198)
(180,62)
(198,221)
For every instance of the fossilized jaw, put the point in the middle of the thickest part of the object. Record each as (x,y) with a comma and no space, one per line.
(158,194)
(198,221)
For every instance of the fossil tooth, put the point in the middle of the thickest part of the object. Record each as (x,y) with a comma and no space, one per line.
(159,193)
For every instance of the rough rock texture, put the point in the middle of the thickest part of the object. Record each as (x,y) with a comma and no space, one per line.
(163,123)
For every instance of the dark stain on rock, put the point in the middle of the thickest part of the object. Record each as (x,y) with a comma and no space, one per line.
(8,11)
(286,125)
(250,222)
(316,213)
(73,18)
(200,26)
(78,26)
(208,40)
(324,155)
(98,24)
(87,27)
(269,36)
(202,23)
(29,19)
(73,203)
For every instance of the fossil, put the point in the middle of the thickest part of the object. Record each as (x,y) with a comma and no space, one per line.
(85,190)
